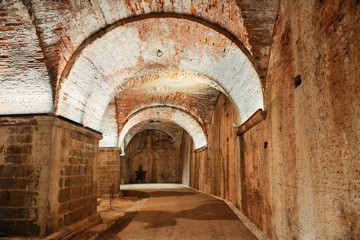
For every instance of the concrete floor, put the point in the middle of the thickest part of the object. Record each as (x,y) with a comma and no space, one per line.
(170,211)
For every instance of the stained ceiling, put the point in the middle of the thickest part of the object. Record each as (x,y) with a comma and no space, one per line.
(104,64)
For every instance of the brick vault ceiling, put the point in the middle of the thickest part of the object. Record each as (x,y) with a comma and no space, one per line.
(94,62)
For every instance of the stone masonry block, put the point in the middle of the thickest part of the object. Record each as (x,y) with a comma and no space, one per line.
(8,183)
(27,228)
(7,227)
(13,213)
(17,159)
(4,198)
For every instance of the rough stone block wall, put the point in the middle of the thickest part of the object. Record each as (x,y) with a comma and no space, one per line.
(77,196)
(47,177)
(108,170)
(22,177)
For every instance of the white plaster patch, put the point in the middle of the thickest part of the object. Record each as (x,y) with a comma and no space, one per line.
(26,92)
(109,128)
(24,82)
(235,74)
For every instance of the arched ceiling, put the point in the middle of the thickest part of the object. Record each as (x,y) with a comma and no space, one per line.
(196,97)
(167,114)
(62,26)
(171,129)
(132,50)
(99,63)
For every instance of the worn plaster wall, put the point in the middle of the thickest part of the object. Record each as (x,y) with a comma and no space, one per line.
(47,178)
(186,152)
(157,153)
(255,184)
(108,170)
(216,170)
(299,168)
(314,129)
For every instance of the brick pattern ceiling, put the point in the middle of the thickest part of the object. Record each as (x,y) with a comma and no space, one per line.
(77,58)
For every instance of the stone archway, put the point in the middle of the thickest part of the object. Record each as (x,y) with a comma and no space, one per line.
(154,153)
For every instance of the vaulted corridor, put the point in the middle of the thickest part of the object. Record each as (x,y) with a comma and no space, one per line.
(253,101)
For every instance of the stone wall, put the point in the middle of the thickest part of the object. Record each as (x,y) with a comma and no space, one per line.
(23,177)
(47,178)
(77,150)
(108,170)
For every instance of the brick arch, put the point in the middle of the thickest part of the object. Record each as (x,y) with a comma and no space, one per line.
(175,76)
(108,61)
(145,126)
(110,127)
(176,116)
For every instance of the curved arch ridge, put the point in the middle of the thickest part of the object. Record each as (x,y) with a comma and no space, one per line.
(140,127)
(109,127)
(130,50)
(175,77)
(176,116)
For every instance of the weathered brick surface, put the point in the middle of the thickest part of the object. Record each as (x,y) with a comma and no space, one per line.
(44,163)
(24,81)
(64,26)
(181,92)
(304,184)
(189,63)
(216,170)
(259,19)
(109,127)
(19,177)
(77,183)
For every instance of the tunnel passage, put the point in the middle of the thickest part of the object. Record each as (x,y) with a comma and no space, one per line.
(73,72)
(153,156)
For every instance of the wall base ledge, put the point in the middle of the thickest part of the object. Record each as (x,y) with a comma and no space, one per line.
(75,229)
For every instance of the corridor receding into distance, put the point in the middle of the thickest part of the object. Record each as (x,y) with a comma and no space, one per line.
(179,119)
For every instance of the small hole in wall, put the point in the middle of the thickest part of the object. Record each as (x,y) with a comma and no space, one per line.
(265,144)
(297,81)
(159,53)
